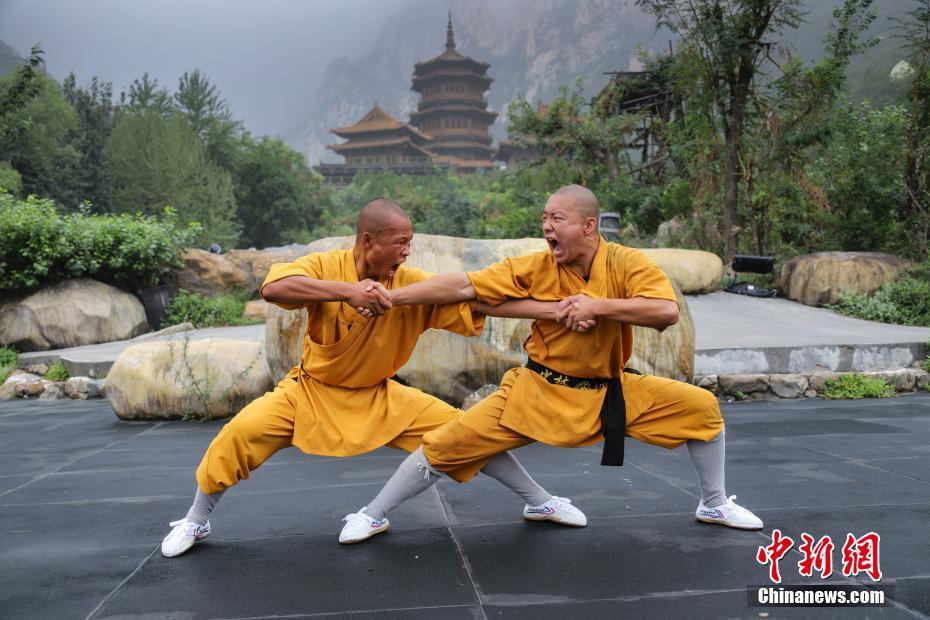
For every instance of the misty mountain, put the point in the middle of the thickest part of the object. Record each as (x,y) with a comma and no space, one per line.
(9,58)
(534,47)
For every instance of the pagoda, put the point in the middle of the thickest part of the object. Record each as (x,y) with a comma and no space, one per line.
(378,142)
(453,109)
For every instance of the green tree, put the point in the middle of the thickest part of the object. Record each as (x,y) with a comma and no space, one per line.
(94,107)
(155,161)
(915,32)
(730,40)
(200,102)
(144,94)
(278,198)
(38,141)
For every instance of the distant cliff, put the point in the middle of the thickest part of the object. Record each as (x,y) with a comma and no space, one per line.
(533,47)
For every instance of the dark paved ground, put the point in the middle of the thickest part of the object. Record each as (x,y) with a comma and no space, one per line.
(85,501)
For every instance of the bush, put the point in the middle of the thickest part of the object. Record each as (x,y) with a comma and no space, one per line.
(39,245)
(855,385)
(8,360)
(203,311)
(57,372)
(905,301)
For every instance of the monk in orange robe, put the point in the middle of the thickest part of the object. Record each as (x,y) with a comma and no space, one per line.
(340,399)
(575,389)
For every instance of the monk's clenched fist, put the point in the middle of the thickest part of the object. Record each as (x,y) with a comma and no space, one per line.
(577,313)
(369,298)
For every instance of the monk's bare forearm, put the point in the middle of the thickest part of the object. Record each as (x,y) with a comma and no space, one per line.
(521,309)
(305,290)
(655,313)
(446,288)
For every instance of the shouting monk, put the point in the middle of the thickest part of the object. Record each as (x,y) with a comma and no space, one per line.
(340,399)
(573,390)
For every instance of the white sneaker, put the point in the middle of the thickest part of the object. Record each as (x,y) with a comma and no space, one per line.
(183,537)
(730,514)
(558,510)
(360,526)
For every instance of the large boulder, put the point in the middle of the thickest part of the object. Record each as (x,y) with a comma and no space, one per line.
(452,366)
(70,314)
(694,271)
(208,274)
(818,279)
(172,379)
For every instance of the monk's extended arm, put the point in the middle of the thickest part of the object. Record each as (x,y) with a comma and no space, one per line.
(305,290)
(647,312)
(446,288)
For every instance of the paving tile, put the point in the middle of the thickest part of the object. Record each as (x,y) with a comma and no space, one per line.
(299,575)
(60,584)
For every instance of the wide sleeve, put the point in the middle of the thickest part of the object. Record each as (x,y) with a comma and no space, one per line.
(645,279)
(309,266)
(508,279)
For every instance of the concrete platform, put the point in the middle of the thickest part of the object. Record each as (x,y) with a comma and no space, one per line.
(85,500)
(737,334)
(95,360)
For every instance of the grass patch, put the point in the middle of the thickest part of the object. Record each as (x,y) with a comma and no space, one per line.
(204,311)
(8,360)
(57,372)
(855,385)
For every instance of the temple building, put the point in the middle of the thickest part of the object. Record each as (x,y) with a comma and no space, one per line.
(378,142)
(453,109)
(448,130)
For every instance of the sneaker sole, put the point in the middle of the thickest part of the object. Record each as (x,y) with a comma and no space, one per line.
(375,533)
(555,520)
(725,524)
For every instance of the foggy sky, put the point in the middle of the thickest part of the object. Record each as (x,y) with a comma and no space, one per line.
(267,57)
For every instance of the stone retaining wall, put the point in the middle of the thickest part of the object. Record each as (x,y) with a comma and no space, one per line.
(759,386)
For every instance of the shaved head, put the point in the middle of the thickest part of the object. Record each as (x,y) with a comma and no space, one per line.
(377,216)
(581,199)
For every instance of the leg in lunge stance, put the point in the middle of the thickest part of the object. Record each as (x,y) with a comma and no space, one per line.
(715,507)
(415,475)
(265,426)
(687,414)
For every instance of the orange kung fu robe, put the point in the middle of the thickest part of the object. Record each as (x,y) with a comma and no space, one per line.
(340,395)
(658,411)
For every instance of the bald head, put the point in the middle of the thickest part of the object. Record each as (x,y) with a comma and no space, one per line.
(579,198)
(378,216)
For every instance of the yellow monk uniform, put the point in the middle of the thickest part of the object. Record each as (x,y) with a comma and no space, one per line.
(529,408)
(339,400)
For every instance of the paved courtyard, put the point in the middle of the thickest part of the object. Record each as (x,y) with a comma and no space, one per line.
(85,500)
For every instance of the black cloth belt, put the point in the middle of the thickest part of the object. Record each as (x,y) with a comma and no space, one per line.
(613,411)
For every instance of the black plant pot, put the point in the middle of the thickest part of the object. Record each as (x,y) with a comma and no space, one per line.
(155,300)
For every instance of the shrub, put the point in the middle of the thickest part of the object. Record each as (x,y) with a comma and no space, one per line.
(905,301)
(40,245)
(57,372)
(8,361)
(855,385)
(203,311)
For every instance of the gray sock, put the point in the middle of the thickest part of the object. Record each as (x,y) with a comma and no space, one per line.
(203,505)
(506,469)
(708,458)
(414,476)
